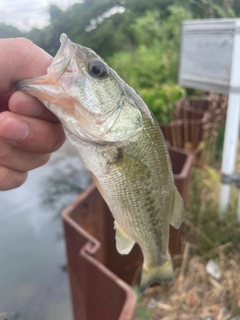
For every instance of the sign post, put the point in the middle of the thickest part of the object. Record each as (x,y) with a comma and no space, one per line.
(210,61)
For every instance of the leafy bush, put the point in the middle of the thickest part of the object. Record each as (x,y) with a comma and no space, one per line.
(154,61)
(146,67)
(161,101)
(151,66)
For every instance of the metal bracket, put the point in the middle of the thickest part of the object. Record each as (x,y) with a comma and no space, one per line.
(231,178)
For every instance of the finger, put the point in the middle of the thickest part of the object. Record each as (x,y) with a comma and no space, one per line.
(10,179)
(4,98)
(30,134)
(26,105)
(19,160)
(20,59)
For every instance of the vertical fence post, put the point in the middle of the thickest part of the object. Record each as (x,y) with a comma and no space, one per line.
(232,126)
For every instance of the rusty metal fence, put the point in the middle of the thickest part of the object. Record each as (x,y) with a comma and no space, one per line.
(100,277)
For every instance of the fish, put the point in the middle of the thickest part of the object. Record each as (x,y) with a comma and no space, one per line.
(121,145)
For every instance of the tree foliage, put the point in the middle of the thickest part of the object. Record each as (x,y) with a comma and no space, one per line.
(7,31)
(141,43)
(154,60)
(121,32)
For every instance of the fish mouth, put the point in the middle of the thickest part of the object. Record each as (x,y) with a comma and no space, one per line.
(53,90)
(60,75)
(66,69)
(59,92)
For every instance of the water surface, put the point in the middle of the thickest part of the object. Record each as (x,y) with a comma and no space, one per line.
(32,253)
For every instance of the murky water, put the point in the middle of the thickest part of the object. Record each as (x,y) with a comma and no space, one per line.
(32,253)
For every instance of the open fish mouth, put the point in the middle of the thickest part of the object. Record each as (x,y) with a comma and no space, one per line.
(61,74)
(65,89)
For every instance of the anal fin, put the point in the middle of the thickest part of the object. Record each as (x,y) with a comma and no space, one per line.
(178,210)
(123,243)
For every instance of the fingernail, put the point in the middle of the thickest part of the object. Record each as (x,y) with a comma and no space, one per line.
(14,129)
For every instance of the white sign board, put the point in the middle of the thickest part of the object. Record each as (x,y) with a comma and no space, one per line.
(206,55)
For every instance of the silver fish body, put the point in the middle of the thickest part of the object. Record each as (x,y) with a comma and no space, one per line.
(121,145)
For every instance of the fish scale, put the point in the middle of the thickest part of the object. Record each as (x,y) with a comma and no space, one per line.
(131,211)
(122,147)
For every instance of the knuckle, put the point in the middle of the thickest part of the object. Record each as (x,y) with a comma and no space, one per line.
(18,160)
(10,179)
(54,138)
(6,152)
(34,160)
(42,160)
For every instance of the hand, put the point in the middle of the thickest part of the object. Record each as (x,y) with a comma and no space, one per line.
(28,131)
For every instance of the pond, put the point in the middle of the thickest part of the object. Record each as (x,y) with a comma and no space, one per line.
(33,276)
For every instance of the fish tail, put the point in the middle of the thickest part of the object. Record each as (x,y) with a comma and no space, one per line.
(160,274)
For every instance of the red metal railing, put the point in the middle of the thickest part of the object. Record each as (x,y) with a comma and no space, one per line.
(99,276)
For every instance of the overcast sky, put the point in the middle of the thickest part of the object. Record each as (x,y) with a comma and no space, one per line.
(25,14)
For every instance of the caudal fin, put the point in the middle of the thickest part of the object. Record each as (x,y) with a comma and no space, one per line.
(159,274)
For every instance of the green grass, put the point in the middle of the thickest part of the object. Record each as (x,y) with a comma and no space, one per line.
(208,237)
(209,231)
(141,312)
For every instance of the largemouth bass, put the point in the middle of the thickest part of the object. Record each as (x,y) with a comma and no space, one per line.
(122,147)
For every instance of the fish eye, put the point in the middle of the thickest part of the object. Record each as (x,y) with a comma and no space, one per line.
(97,69)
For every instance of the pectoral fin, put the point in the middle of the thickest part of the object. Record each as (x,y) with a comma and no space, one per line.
(123,243)
(134,169)
(178,211)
